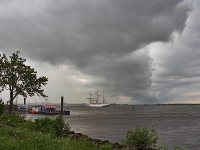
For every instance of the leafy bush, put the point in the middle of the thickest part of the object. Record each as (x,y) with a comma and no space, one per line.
(16,138)
(140,138)
(162,146)
(1,107)
(105,147)
(12,120)
(61,125)
(18,134)
(52,126)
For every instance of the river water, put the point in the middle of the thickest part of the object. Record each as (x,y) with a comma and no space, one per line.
(175,124)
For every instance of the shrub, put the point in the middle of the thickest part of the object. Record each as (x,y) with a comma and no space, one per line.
(162,146)
(140,138)
(105,147)
(61,125)
(52,126)
(12,120)
(1,107)
(16,138)
(176,148)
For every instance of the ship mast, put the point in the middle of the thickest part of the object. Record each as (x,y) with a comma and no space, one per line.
(103,99)
(97,97)
(90,98)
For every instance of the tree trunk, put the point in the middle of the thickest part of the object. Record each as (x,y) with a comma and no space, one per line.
(11,101)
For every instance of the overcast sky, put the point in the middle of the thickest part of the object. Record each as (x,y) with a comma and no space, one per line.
(135,51)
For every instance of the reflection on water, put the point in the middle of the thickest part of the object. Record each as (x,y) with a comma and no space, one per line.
(176,125)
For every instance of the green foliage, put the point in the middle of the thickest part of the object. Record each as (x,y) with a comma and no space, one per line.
(12,120)
(18,134)
(176,148)
(1,107)
(162,146)
(22,139)
(105,147)
(19,78)
(140,138)
(21,136)
(53,126)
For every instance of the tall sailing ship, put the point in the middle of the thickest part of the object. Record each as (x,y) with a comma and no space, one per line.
(94,102)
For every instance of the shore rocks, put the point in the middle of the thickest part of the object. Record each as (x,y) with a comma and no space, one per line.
(80,136)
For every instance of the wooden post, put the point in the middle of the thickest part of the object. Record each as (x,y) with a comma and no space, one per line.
(24,101)
(61,105)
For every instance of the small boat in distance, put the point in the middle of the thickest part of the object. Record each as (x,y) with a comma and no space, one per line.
(36,109)
(47,110)
(94,102)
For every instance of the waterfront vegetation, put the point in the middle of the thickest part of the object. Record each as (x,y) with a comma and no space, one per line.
(141,137)
(49,134)
(43,133)
(19,78)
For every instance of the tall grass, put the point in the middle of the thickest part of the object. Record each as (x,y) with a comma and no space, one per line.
(17,134)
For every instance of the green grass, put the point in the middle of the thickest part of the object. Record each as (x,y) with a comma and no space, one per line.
(15,134)
(46,134)
(23,139)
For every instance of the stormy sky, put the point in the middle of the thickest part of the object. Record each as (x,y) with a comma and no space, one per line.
(135,51)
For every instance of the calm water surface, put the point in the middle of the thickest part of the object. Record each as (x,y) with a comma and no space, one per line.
(176,125)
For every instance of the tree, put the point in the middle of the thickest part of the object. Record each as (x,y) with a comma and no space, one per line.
(1,107)
(19,78)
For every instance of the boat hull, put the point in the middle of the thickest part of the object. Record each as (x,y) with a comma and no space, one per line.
(33,112)
(47,110)
(98,105)
(50,113)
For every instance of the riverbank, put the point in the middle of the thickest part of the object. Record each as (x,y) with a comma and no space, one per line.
(17,133)
(83,137)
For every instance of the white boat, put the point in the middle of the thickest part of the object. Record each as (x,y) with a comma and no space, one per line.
(94,102)
(97,105)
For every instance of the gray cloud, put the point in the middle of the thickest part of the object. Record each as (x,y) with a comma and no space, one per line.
(177,76)
(99,38)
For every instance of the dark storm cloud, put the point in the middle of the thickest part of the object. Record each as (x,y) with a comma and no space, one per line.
(98,37)
(178,72)
(125,75)
(75,29)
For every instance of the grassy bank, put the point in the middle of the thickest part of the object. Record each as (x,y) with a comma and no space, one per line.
(50,134)
(17,134)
